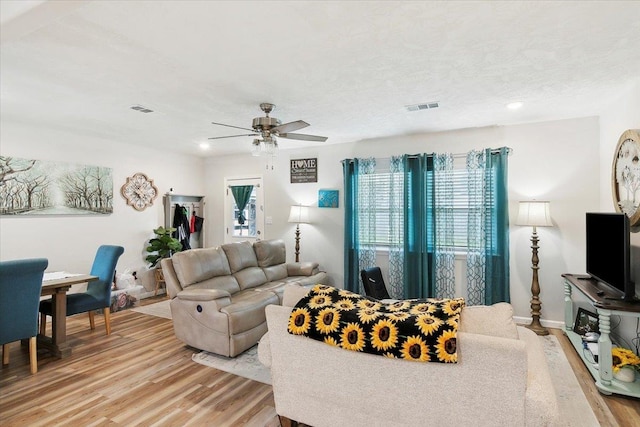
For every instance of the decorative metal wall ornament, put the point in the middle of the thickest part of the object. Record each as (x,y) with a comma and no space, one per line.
(625,178)
(139,191)
(36,187)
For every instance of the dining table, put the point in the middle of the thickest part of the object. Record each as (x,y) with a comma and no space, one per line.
(57,284)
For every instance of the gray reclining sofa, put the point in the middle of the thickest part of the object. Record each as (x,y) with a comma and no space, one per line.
(218,295)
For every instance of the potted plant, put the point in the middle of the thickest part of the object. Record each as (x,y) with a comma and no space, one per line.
(162,246)
(625,364)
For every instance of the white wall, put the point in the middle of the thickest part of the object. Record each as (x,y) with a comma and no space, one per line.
(70,242)
(622,114)
(551,160)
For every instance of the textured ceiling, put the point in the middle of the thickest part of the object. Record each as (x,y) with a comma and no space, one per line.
(347,68)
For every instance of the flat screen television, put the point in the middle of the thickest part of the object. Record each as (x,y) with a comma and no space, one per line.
(609,251)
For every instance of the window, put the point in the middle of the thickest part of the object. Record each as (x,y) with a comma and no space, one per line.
(380,233)
(457,204)
(464,207)
(375,227)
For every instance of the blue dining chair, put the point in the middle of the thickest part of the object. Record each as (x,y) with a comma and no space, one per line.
(20,286)
(98,293)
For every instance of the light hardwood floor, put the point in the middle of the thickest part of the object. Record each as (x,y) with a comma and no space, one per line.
(142,375)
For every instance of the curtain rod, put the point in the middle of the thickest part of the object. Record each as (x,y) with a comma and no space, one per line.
(459,155)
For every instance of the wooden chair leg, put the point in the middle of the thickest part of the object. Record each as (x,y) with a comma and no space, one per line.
(107,319)
(92,320)
(43,323)
(5,354)
(33,355)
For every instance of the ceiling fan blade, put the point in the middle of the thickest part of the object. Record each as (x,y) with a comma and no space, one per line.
(229,126)
(303,137)
(233,136)
(287,127)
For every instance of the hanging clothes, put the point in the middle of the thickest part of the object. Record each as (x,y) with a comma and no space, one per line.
(192,222)
(181,224)
(198,223)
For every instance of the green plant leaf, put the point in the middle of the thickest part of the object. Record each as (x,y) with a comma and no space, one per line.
(162,246)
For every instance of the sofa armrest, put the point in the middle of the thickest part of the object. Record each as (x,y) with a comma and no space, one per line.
(293,293)
(264,351)
(218,296)
(302,268)
(170,277)
(542,403)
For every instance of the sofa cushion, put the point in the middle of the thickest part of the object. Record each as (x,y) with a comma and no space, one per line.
(240,255)
(270,252)
(250,277)
(196,265)
(420,330)
(495,320)
(246,310)
(276,288)
(275,272)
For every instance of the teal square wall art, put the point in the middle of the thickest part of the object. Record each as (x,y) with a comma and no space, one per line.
(328,198)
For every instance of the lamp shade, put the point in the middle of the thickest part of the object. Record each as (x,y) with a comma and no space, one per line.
(299,214)
(534,213)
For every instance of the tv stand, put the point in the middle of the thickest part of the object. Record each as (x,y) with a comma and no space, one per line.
(606,304)
(634,301)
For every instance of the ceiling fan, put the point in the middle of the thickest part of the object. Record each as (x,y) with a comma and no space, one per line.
(269,127)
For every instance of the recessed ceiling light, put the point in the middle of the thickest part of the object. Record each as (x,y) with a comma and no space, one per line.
(515,105)
(204,145)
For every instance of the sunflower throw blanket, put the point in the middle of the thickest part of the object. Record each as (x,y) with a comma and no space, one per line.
(421,330)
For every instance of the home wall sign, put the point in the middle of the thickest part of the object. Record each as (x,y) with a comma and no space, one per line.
(36,187)
(625,178)
(304,170)
(139,191)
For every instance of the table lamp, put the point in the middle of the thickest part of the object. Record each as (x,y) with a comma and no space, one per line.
(300,215)
(535,214)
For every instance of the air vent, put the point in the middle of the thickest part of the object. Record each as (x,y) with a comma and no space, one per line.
(424,106)
(141,109)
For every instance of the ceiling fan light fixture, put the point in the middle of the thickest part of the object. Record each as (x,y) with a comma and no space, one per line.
(270,146)
(256,148)
(268,128)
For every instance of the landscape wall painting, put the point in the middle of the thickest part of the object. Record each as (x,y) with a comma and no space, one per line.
(36,187)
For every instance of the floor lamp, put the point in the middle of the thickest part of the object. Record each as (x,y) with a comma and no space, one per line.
(299,215)
(535,214)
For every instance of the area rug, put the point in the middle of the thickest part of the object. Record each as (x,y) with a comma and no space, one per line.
(574,407)
(245,365)
(159,309)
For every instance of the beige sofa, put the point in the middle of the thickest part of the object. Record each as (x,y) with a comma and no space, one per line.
(501,378)
(218,295)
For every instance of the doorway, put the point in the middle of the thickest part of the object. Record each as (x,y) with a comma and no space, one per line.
(243,222)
